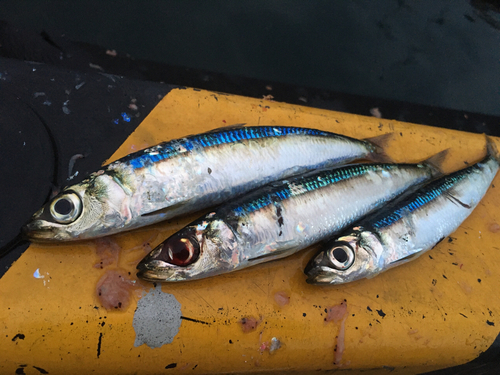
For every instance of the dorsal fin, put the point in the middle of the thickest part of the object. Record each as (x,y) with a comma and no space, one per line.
(435,162)
(166,209)
(492,149)
(379,143)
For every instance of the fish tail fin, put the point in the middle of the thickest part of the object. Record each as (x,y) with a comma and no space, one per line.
(378,144)
(435,162)
(492,149)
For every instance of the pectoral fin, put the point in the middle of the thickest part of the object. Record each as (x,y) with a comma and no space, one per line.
(286,249)
(165,210)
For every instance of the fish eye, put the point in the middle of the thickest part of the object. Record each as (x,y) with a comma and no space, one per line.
(341,257)
(181,250)
(66,208)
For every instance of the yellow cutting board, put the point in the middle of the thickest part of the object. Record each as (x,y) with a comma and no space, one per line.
(437,311)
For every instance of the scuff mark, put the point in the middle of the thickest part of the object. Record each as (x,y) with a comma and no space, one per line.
(157,319)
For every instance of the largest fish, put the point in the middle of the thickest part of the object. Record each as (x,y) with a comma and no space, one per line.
(278,220)
(186,175)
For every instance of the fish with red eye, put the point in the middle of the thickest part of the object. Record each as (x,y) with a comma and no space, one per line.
(180,250)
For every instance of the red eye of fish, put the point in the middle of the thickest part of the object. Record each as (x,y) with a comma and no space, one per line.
(181,251)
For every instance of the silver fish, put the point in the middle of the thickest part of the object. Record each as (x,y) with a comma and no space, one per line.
(185,175)
(403,230)
(278,220)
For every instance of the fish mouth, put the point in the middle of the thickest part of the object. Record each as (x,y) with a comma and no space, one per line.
(322,276)
(155,271)
(319,273)
(36,231)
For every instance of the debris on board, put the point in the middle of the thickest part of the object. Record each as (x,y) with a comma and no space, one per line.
(114,290)
(272,346)
(107,251)
(338,314)
(249,324)
(157,318)
(281,298)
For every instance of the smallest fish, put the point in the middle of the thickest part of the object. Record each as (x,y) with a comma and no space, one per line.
(404,229)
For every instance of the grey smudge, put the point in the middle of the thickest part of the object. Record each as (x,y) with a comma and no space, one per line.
(157,319)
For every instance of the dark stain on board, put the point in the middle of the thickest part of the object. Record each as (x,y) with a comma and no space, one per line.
(99,345)
(194,320)
(172,365)
(381,313)
(490,323)
(19,336)
(368,308)
(40,370)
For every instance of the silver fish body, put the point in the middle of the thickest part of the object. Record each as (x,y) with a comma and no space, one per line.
(278,220)
(403,230)
(186,175)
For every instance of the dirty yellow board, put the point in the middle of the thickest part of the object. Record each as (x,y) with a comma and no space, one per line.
(437,311)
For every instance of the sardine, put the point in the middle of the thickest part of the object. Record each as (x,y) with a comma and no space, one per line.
(404,229)
(185,175)
(278,220)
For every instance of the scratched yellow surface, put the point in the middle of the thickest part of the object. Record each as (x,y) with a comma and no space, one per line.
(440,310)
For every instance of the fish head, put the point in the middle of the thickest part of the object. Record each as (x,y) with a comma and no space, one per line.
(84,210)
(204,248)
(347,258)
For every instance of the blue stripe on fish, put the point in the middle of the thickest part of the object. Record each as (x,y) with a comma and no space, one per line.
(422,198)
(174,148)
(308,183)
